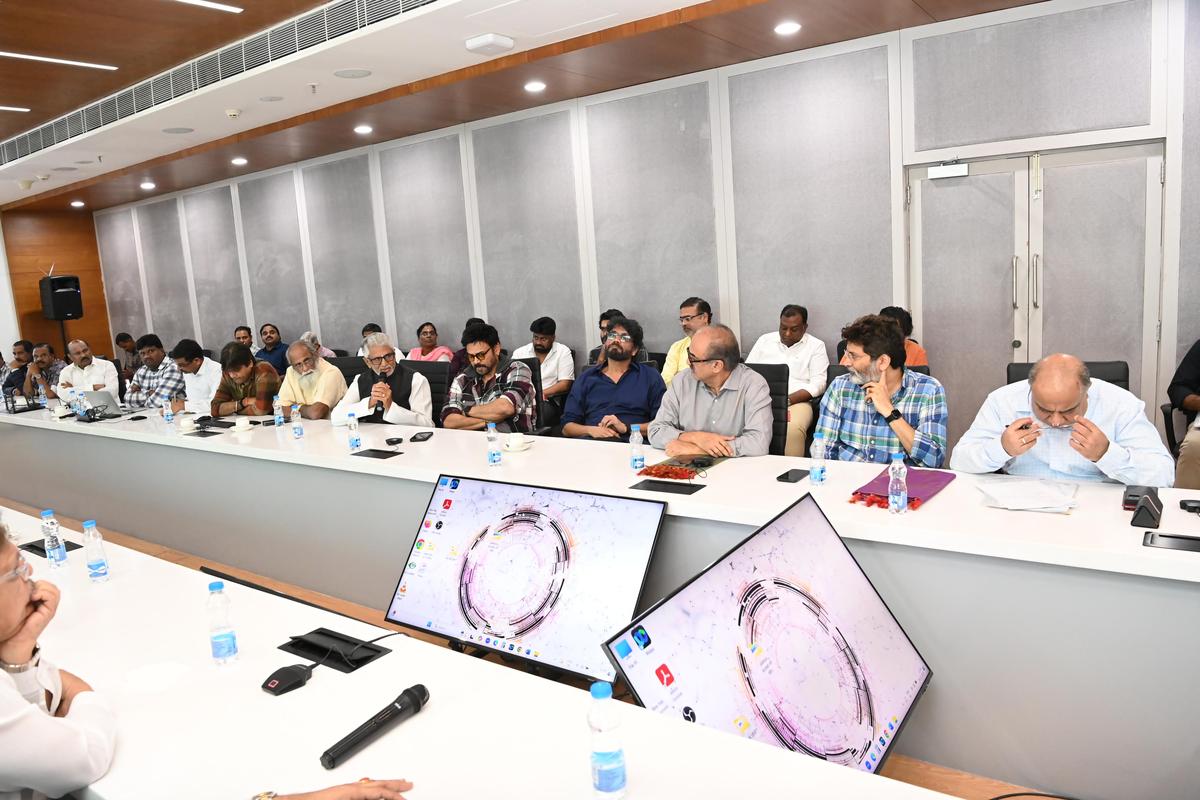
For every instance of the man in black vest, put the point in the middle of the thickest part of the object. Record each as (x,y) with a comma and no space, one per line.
(386,391)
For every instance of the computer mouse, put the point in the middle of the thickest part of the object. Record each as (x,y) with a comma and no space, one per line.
(285,679)
(135,419)
(395,440)
(702,462)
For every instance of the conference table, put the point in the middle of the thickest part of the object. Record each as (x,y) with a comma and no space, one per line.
(1063,651)
(189,728)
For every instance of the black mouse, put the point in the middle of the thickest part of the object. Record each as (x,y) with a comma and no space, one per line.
(395,440)
(285,679)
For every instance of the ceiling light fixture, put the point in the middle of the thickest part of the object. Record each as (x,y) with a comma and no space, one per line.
(85,161)
(147,185)
(787,28)
(535,87)
(48,60)
(489,44)
(363,129)
(178,130)
(65,169)
(238,161)
(352,73)
(13,108)
(270,98)
(212,5)
(76,204)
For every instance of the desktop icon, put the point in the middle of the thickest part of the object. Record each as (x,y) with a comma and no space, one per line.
(742,724)
(487,640)
(689,714)
(891,726)
(528,651)
(511,647)
(444,481)
(641,637)
(537,654)
(623,649)
(453,483)
(403,588)
(420,544)
(663,673)
(427,523)
(447,503)
(412,565)
(756,649)
(438,525)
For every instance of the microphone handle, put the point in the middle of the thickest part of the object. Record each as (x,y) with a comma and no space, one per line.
(364,734)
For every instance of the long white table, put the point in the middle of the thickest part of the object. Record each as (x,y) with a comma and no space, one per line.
(1044,632)
(191,729)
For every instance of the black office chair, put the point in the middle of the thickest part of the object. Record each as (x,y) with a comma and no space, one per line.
(350,367)
(438,375)
(535,366)
(1168,412)
(776,376)
(658,359)
(340,353)
(1114,372)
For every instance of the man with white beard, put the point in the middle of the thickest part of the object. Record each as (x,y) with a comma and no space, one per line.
(311,382)
(879,407)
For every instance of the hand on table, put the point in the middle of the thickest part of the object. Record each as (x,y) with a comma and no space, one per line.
(611,422)
(363,790)
(714,444)
(1020,437)
(1088,440)
(71,686)
(601,431)
(43,600)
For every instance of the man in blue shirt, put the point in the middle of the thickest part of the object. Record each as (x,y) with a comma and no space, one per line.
(612,396)
(273,351)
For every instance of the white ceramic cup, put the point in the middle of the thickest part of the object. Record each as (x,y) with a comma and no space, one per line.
(187,424)
(517,441)
(242,423)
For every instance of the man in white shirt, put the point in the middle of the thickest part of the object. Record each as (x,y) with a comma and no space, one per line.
(86,373)
(201,377)
(807,362)
(557,367)
(56,734)
(1061,424)
(386,391)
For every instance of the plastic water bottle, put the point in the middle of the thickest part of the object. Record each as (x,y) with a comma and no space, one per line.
(93,551)
(352,432)
(278,406)
(56,550)
(73,402)
(493,443)
(168,412)
(897,485)
(41,396)
(637,451)
(608,759)
(220,628)
(297,423)
(816,454)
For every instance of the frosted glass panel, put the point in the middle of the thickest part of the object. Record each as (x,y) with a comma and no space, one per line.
(166,276)
(530,242)
(812,192)
(122,281)
(342,236)
(426,217)
(966,288)
(1076,71)
(1094,245)
(215,270)
(1189,245)
(652,196)
(272,230)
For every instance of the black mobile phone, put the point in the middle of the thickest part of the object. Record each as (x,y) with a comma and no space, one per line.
(135,419)
(793,476)
(1191,506)
(1172,541)
(420,437)
(267,422)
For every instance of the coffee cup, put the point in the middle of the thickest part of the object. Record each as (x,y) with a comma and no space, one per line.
(187,424)
(242,423)
(517,441)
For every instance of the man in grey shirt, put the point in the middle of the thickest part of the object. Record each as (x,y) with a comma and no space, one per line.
(719,407)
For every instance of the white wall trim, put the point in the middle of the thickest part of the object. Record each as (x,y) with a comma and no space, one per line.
(137,249)
(239,236)
(585,215)
(185,245)
(382,254)
(722,195)
(901,295)
(310,283)
(1168,355)
(466,151)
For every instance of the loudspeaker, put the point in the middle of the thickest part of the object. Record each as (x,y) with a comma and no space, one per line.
(61,298)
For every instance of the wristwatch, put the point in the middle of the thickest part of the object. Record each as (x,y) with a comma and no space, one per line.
(265,796)
(17,669)
(892,417)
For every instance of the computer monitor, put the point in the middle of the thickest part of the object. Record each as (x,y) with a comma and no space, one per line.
(543,575)
(783,640)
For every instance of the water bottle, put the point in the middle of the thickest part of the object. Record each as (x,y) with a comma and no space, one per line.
(220,629)
(897,485)
(73,402)
(297,423)
(816,454)
(493,443)
(93,550)
(608,759)
(41,396)
(278,406)
(168,412)
(352,431)
(637,452)
(56,550)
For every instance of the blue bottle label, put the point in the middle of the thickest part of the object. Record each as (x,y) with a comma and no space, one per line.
(355,442)
(817,475)
(493,458)
(224,645)
(97,569)
(608,771)
(637,462)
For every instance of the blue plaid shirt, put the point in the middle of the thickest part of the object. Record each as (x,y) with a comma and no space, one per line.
(855,431)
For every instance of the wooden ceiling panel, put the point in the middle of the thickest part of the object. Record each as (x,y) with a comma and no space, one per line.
(952,9)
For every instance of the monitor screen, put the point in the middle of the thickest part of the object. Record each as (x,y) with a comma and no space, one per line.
(541,574)
(783,640)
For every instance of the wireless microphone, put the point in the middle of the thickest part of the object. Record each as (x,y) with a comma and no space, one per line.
(378,409)
(410,701)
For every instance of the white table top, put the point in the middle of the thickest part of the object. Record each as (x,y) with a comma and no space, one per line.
(1097,535)
(191,729)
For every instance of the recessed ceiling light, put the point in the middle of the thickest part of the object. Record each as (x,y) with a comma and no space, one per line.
(270,98)
(352,73)
(147,185)
(787,28)
(77,204)
(66,169)
(178,130)
(535,87)
(212,5)
(12,108)
(363,129)
(238,162)
(83,162)
(48,60)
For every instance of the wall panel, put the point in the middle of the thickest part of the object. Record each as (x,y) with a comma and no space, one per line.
(166,278)
(215,268)
(271,226)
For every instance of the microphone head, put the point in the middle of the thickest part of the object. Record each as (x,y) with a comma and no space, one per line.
(418,695)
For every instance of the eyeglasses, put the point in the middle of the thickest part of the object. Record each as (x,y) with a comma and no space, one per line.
(692,359)
(617,337)
(23,570)
(685,319)
(311,362)
(386,358)
(480,356)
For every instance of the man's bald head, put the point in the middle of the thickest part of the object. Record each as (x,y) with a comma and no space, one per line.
(717,343)
(1059,385)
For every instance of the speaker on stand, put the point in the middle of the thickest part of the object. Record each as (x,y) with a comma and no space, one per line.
(61,300)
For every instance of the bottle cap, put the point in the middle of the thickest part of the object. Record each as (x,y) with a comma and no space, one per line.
(897,456)
(295,407)
(818,435)
(491,426)
(89,523)
(637,428)
(276,397)
(601,690)
(216,586)
(49,512)
(350,415)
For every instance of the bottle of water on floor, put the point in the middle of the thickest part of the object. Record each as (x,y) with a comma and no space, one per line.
(297,423)
(637,450)
(93,551)
(220,628)
(897,485)
(493,445)
(816,454)
(277,404)
(352,433)
(608,759)
(56,549)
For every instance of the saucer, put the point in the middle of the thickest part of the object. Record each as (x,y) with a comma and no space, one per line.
(528,444)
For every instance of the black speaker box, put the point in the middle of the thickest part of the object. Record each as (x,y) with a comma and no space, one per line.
(61,298)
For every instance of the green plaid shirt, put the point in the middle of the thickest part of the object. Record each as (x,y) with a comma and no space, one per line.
(855,431)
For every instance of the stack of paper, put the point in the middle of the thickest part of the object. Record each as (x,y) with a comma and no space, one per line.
(1051,497)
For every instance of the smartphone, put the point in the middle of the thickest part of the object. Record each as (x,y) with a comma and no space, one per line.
(1172,541)
(793,476)
(421,437)
(135,419)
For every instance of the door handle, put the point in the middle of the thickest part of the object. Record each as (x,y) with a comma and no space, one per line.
(1016,260)
(1037,297)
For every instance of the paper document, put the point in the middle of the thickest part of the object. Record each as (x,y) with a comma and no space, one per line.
(1052,497)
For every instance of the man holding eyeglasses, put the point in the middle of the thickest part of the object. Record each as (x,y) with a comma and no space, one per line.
(311,382)
(485,393)
(387,392)
(247,386)
(619,392)
(694,314)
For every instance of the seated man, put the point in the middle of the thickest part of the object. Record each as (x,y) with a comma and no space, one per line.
(1184,392)
(387,391)
(57,735)
(482,394)
(718,407)
(86,373)
(807,362)
(558,367)
(247,386)
(126,357)
(596,354)
(322,350)
(41,372)
(1061,424)
(879,407)
(311,382)
(273,351)
(914,354)
(458,361)
(243,335)
(12,373)
(158,381)
(694,314)
(612,396)
(201,377)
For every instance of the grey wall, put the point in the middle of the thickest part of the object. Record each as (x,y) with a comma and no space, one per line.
(271,223)
(166,278)
(212,243)
(1189,245)
(122,277)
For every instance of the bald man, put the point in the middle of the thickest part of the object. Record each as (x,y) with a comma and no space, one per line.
(86,373)
(1062,424)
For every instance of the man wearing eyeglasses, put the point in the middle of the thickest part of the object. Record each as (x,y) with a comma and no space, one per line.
(311,382)
(247,386)
(486,393)
(694,314)
(596,354)
(719,407)
(616,394)
(387,392)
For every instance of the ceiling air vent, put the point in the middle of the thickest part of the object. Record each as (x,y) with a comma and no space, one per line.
(256,51)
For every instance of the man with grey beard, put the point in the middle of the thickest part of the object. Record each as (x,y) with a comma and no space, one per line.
(311,382)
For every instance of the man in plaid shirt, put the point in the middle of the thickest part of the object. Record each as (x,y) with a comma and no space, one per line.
(879,407)
(481,394)
(158,380)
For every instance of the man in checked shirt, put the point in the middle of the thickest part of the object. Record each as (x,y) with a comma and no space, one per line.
(158,380)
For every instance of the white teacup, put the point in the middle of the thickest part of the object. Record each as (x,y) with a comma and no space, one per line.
(187,424)
(517,441)
(242,423)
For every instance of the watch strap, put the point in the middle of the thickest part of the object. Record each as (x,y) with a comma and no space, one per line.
(892,417)
(17,669)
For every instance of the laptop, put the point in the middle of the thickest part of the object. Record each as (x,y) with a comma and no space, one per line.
(104,400)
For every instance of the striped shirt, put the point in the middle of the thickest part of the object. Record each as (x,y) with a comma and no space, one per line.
(855,431)
(155,387)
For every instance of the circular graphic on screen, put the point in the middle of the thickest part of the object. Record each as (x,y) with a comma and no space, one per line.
(513,573)
(802,675)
